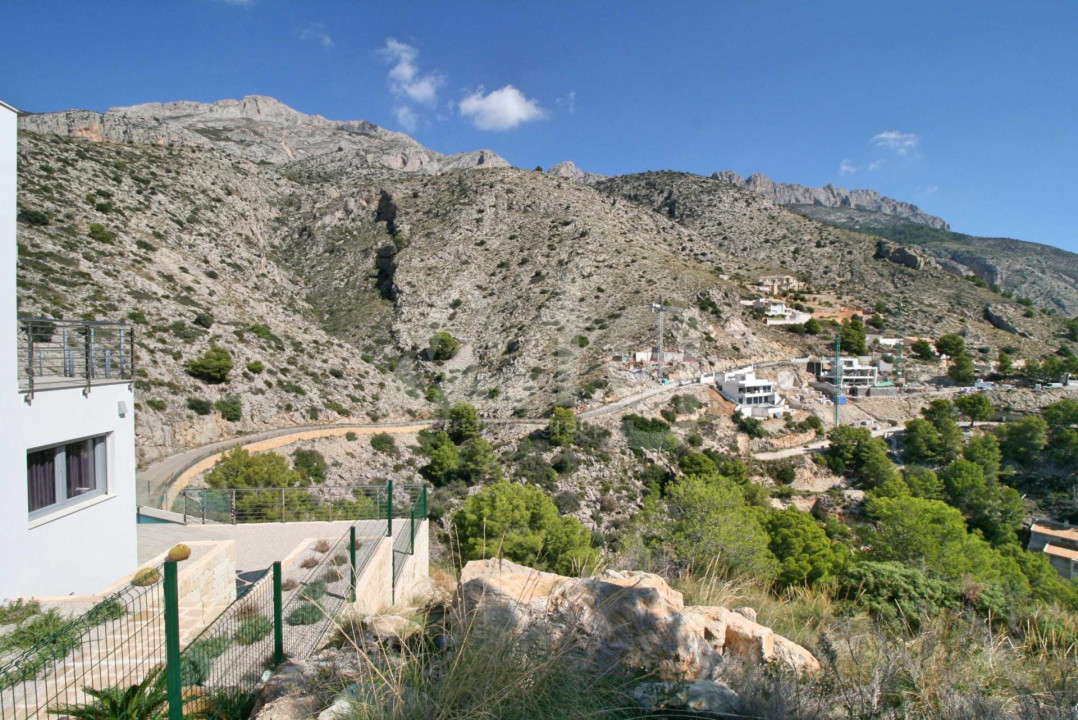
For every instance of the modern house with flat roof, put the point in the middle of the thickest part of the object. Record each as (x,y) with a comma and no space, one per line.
(752,396)
(1059,541)
(67,434)
(854,374)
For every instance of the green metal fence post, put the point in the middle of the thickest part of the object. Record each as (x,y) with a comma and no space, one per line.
(173,688)
(411,531)
(278,614)
(423,494)
(352,557)
(389,508)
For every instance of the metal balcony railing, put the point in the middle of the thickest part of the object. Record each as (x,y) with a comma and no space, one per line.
(54,354)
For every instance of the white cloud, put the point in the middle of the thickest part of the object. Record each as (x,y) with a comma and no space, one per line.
(316,32)
(876,164)
(407,117)
(900,142)
(568,102)
(404,77)
(931,189)
(501,109)
(847,168)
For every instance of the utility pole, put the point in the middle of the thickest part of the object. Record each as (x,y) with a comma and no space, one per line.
(838,375)
(899,378)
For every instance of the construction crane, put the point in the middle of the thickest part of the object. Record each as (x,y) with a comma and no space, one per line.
(662,309)
(838,375)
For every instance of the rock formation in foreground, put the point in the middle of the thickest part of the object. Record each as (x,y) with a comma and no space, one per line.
(633,620)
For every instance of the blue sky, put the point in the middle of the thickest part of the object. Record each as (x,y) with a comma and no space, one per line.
(969,110)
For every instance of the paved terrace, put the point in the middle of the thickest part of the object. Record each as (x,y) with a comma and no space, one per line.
(258,545)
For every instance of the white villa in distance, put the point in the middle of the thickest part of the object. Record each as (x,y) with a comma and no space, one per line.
(752,396)
(67,486)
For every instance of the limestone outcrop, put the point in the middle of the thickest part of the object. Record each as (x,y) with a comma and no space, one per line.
(632,620)
(902,255)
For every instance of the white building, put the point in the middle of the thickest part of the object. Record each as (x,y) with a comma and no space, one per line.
(751,396)
(67,483)
(854,374)
(771,308)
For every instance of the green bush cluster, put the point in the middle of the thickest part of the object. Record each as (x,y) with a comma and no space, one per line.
(212,367)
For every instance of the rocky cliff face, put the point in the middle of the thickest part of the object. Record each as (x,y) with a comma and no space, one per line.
(259,129)
(830,196)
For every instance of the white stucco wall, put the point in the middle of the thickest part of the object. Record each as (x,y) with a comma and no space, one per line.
(86,547)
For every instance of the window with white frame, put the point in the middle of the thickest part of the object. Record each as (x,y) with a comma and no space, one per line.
(64,474)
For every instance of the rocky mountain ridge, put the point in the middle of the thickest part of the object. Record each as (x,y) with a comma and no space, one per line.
(259,129)
(830,196)
(330,273)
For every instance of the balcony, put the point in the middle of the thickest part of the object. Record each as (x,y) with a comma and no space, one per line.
(57,354)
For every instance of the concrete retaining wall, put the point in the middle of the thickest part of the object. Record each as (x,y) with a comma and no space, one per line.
(374,586)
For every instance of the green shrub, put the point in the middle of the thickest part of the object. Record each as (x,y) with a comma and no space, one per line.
(685,404)
(305,614)
(313,590)
(213,367)
(253,629)
(33,217)
(137,317)
(580,341)
(384,443)
(255,366)
(642,433)
(98,233)
(749,425)
(351,436)
(521,523)
(18,610)
(199,406)
(158,405)
(443,346)
(562,427)
(204,320)
(231,408)
(310,464)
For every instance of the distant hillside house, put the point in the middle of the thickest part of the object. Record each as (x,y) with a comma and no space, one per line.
(1059,541)
(777,284)
(67,483)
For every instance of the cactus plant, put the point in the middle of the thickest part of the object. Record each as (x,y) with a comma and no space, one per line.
(179,553)
(146,577)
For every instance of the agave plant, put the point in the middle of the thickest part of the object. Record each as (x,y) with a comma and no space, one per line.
(146,701)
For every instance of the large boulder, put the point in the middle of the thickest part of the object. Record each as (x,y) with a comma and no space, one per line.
(634,620)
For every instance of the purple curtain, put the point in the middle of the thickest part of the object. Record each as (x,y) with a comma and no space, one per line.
(41,478)
(80,468)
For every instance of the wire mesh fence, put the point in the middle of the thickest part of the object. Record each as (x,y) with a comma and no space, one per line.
(133,637)
(67,353)
(404,542)
(117,642)
(235,649)
(294,504)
